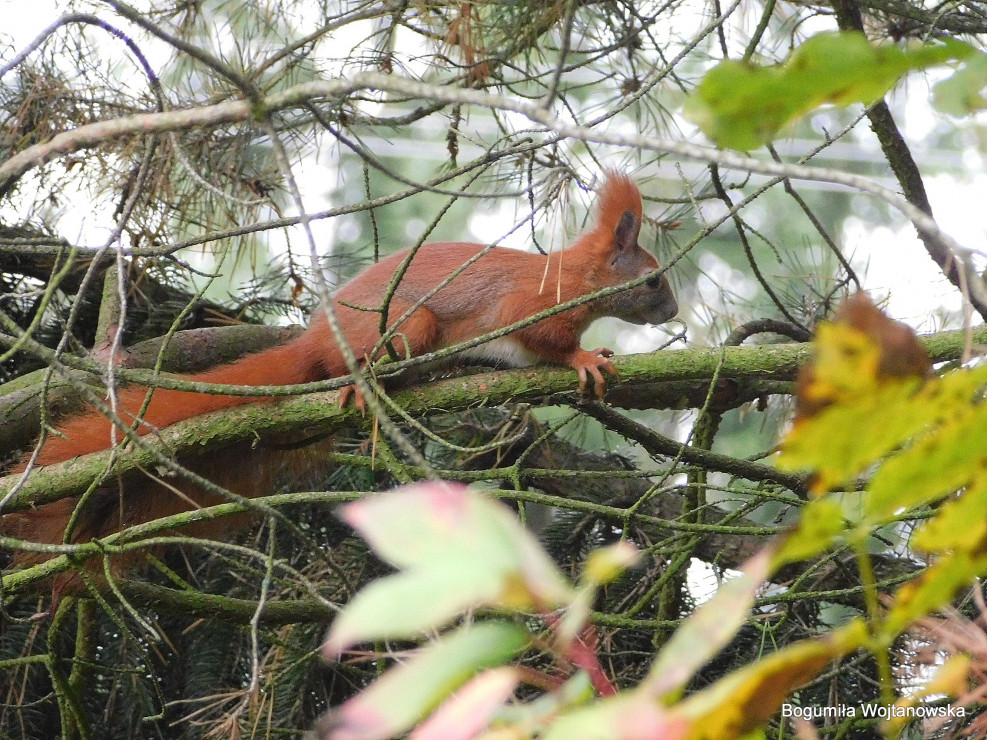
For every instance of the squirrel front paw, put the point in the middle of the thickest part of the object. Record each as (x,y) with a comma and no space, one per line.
(589,364)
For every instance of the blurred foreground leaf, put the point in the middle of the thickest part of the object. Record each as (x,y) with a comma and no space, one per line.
(406,693)
(741,106)
(457,550)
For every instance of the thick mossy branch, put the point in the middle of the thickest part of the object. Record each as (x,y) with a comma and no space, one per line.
(319,413)
(187,351)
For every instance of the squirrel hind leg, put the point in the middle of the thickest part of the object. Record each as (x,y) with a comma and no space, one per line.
(418,334)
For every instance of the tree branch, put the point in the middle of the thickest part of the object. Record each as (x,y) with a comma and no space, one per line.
(659,444)
(318,413)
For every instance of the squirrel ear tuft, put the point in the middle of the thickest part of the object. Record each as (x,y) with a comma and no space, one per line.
(617,195)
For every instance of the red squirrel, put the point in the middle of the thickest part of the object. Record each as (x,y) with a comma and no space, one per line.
(503,287)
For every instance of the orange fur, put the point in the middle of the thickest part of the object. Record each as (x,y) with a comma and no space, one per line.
(501,288)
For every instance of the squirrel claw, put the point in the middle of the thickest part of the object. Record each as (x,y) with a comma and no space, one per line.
(591,364)
(352,392)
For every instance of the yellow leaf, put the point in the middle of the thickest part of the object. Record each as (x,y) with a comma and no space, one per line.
(742,701)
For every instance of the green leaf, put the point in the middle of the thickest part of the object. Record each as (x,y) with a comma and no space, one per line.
(744,699)
(607,563)
(939,462)
(459,550)
(821,522)
(932,590)
(959,524)
(424,524)
(708,629)
(627,715)
(880,421)
(731,708)
(470,710)
(963,92)
(577,691)
(742,106)
(408,692)
(406,604)
(433,524)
